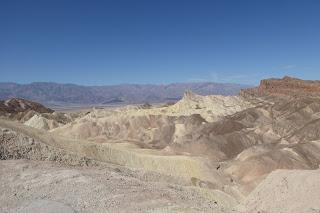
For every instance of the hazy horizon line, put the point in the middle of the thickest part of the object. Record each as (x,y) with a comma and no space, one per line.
(119,84)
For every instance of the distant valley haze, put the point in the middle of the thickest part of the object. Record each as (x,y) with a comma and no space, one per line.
(68,94)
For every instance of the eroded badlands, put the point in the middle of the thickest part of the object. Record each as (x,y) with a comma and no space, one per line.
(201,154)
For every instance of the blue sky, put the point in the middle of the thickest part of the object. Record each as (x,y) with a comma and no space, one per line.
(117,41)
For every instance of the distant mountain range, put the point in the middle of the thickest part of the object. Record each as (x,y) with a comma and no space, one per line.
(68,94)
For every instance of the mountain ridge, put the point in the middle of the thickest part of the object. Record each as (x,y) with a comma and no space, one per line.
(57,93)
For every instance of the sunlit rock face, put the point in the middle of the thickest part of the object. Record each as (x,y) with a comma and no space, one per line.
(285,86)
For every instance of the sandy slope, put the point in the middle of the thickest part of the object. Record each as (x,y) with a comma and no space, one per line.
(30,143)
(286,191)
(28,186)
(25,185)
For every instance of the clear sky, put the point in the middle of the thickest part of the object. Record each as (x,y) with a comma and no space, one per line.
(158,41)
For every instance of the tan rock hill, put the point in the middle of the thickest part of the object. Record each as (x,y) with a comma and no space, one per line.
(16,105)
(21,109)
(33,114)
(155,127)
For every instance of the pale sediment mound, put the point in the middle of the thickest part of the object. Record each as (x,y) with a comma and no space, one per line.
(253,164)
(161,138)
(283,135)
(45,146)
(25,142)
(40,122)
(157,125)
(210,107)
(287,191)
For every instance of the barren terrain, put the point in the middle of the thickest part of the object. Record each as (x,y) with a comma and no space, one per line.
(201,154)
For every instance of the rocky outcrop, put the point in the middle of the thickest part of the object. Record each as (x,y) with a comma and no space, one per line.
(15,145)
(23,110)
(17,105)
(40,122)
(285,86)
